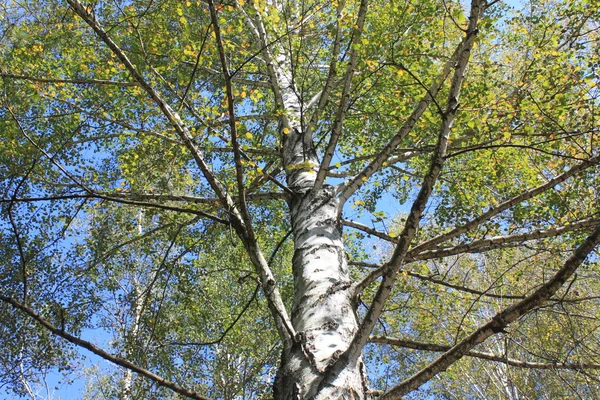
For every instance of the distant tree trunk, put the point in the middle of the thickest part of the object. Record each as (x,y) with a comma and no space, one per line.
(133,331)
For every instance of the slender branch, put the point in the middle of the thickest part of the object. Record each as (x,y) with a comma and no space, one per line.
(226,331)
(360,286)
(143,236)
(123,124)
(16,232)
(500,321)
(370,231)
(101,353)
(168,112)
(44,152)
(411,344)
(345,99)
(517,146)
(475,246)
(351,186)
(239,169)
(123,199)
(198,200)
(211,129)
(323,95)
(246,232)
(501,241)
(259,32)
(278,246)
(236,78)
(193,74)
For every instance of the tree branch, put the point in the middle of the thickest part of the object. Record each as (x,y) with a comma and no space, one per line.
(473,247)
(370,231)
(500,321)
(168,112)
(411,344)
(239,169)
(117,198)
(502,241)
(323,96)
(4,74)
(338,122)
(492,212)
(351,186)
(362,335)
(246,233)
(226,331)
(101,353)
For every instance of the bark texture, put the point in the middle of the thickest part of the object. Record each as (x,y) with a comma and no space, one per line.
(323,314)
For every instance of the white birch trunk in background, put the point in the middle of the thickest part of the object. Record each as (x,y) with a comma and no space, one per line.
(126,392)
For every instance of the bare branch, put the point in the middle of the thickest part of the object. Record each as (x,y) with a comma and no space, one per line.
(15,229)
(368,230)
(168,112)
(502,241)
(118,198)
(73,81)
(475,246)
(351,186)
(226,331)
(246,233)
(492,212)
(323,96)
(362,285)
(345,99)
(239,169)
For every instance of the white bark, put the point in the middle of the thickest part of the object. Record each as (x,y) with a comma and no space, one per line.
(323,314)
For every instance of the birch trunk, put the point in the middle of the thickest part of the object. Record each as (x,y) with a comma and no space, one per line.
(323,314)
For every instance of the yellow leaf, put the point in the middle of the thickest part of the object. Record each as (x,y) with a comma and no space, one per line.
(248,135)
(286,131)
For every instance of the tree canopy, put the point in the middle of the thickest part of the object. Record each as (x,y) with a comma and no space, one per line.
(300,199)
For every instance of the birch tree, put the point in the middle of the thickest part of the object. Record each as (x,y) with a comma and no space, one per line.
(211,173)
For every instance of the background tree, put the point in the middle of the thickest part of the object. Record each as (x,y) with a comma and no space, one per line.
(197,181)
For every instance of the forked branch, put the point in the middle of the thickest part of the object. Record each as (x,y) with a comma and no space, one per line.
(492,212)
(414,217)
(173,117)
(345,100)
